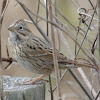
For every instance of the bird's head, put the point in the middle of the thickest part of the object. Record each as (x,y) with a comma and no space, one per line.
(19,30)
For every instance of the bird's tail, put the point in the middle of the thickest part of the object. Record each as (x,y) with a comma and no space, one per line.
(74,64)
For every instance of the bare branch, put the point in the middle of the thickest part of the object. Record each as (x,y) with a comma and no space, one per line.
(52,98)
(55,54)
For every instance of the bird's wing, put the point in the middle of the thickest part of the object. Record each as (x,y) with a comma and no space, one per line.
(47,54)
(40,48)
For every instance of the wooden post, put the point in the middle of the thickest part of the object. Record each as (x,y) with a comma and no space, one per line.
(12,91)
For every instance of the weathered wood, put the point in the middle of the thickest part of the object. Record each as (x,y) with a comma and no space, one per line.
(12,91)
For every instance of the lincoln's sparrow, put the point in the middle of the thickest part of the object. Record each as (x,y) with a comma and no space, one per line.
(34,53)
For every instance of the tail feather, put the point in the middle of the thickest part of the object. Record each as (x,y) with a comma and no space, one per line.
(73,64)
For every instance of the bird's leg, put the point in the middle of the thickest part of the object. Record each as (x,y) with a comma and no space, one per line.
(35,81)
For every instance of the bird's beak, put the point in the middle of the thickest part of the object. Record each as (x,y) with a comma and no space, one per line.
(11,29)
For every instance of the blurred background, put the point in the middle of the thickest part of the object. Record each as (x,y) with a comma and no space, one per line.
(70,89)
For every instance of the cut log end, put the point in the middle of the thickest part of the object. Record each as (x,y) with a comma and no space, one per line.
(12,91)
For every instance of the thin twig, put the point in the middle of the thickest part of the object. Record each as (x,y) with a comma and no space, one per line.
(51,88)
(75,3)
(3,5)
(7,51)
(99,26)
(86,91)
(96,98)
(55,54)
(47,17)
(50,83)
(87,30)
(94,45)
(85,14)
(9,60)
(77,36)
(38,10)
(60,34)
(61,78)
(91,4)
(55,3)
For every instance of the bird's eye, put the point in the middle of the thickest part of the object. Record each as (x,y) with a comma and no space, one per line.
(20,27)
